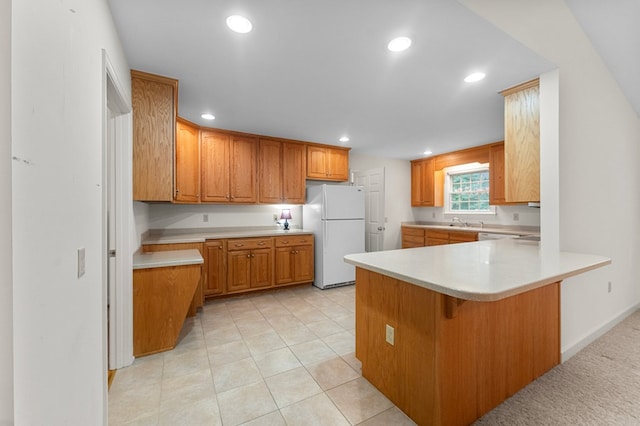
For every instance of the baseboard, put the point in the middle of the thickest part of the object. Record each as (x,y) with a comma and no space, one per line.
(591,337)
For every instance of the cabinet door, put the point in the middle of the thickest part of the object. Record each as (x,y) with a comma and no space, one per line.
(154,114)
(214,148)
(216,273)
(338,167)
(243,164)
(422,183)
(294,165)
(238,270)
(316,162)
(261,268)
(522,143)
(496,174)
(271,169)
(303,263)
(284,265)
(187,164)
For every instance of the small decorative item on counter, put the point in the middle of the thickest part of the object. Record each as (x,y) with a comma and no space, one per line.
(286,215)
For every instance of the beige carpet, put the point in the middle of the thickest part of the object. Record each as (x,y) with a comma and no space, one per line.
(598,386)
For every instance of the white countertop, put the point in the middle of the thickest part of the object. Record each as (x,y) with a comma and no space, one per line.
(482,271)
(160,259)
(175,236)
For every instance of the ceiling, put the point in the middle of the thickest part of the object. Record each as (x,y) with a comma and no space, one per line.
(317,71)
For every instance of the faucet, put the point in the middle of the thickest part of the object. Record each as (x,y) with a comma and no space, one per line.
(463,222)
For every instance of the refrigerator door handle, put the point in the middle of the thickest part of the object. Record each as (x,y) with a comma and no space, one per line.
(324,236)
(324,205)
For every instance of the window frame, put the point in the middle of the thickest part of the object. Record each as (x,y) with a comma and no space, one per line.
(464,169)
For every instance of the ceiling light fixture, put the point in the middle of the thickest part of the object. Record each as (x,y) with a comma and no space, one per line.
(476,76)
(428,152)
(344,139)
(399,44)
(208,116)
(239,24)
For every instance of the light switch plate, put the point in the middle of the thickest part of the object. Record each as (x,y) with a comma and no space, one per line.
(81,262)
(390,335)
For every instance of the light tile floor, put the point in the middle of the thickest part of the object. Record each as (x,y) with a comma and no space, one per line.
(279,358)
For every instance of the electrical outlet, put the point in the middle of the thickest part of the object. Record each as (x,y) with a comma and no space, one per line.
(609,287)
(205,218)
(81,262)
(516,216)
(390,335)
(275,217)
(433,215)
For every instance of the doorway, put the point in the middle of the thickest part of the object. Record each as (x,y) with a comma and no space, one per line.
(373,183)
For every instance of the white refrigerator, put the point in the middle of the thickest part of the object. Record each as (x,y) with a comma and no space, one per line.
(335,214)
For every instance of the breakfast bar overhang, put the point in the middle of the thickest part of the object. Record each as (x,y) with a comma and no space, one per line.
(471,324)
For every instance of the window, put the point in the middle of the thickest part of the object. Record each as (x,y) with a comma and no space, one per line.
(467,189)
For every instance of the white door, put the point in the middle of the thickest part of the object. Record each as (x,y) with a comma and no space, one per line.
(372,181)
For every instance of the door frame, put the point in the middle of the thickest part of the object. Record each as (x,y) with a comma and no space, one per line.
(119,340)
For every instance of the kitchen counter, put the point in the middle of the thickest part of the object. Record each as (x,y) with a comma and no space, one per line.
(492,229)
(163,259)
(480,271)
(199,235)
(449,332)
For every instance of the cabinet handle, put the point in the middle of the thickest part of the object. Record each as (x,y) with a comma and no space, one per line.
(293,252)
(303,241)
(285,242)
(261,243)
(248,255)
(238,244)
(219,247)
(253,255)
(297,252)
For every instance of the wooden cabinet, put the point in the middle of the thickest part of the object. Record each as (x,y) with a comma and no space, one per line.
(326,163)
(216,270)
(294,259)
(154,101)
(249,263)
(496,174)
(419,237)
(412,237)
(282,168)
(187,186)
(522,143)
(229,167)
(422,183)
(198,298)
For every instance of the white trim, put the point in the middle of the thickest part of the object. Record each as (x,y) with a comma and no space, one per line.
(460,169)
(568,352)
(121,315)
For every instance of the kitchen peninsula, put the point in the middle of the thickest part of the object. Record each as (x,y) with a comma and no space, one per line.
(449,332)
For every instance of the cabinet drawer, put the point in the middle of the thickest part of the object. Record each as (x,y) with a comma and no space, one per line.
(434,234)
(414,232)
(463,237)
(249,243)
(412,239)
(298,240)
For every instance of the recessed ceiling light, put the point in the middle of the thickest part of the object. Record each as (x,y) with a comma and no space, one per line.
(428,152)
(208,116)
(344,139)
(399,44)
(239,24)
(476,76)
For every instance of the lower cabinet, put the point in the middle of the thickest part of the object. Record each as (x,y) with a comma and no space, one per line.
(294,260)
(239,265)
(419,237)
(216,268)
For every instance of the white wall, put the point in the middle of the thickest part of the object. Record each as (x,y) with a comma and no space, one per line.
(505,215)
(140,220)
(599,179)
(6,281)
(57,114)
(176,216)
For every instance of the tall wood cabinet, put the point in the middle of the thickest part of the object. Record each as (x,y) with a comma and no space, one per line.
(326,163)
(496,174)
(187,185)
(216,260)
(522,142)
(282,167)
(154,99)
(229,167)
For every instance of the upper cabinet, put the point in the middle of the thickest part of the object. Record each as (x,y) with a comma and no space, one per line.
(522,143)
(496,174)
(282,167)
(229,167)
(422,183)
(154,100)
(187,186)
(327,163)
